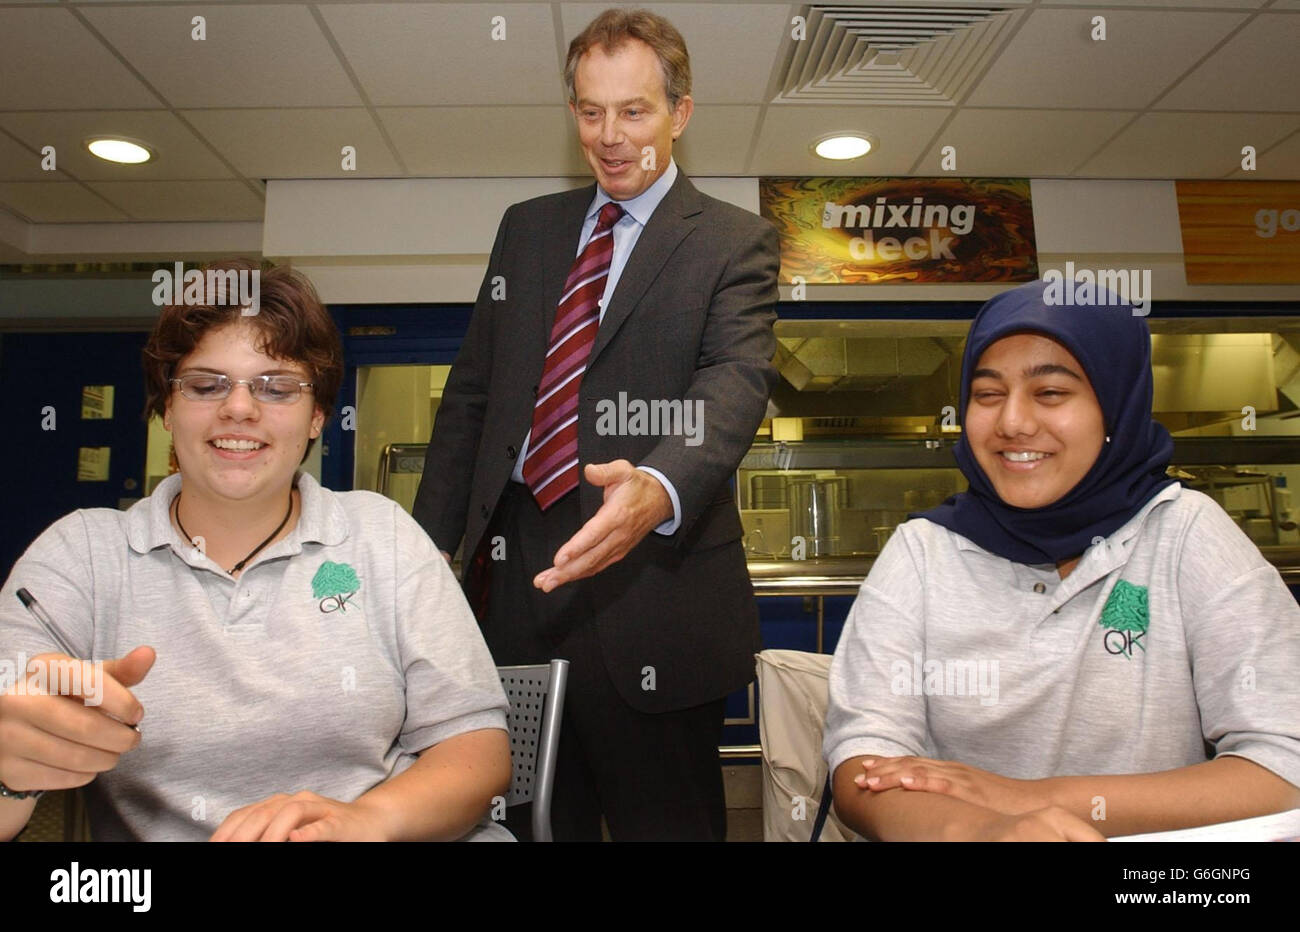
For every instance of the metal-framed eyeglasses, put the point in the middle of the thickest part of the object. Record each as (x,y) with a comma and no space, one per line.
(271,389)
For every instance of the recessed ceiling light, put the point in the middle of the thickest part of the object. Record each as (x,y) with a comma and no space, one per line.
(842,147)
(118,149)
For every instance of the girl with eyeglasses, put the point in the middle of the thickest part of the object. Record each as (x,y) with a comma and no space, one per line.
(301,663)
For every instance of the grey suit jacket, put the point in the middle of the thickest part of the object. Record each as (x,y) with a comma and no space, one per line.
(690,319)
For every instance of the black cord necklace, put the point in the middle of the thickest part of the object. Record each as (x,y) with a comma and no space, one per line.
(256,550)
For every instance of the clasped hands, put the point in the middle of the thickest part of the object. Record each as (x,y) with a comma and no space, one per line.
(1026,808)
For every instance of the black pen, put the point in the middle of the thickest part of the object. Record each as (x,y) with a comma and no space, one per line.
(39,613)
(46,622)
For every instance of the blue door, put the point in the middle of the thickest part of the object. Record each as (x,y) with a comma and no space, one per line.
(42,377)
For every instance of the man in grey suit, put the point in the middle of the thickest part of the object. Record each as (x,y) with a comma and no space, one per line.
(587,437)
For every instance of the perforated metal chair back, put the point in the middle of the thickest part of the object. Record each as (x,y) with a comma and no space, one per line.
(536,695)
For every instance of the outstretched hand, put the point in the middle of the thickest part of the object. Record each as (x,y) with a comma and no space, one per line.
(635,503)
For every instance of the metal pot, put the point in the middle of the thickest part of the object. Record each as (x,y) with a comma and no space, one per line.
(814,513)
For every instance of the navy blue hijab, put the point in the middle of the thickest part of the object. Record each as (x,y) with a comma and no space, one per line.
(1114,348)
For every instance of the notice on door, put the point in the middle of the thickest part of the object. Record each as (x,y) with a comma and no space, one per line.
(96,402)
(92,464)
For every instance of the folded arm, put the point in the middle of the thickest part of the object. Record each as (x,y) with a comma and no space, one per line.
(438,798)
(924,791)
(1221,790)
(446,791)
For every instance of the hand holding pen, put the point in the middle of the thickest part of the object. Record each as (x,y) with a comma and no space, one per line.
(58,741)
(37,611)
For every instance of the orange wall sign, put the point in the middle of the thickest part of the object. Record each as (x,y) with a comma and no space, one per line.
(1240,232)
(865,230)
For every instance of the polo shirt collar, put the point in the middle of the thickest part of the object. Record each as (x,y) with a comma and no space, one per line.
(1097,562)
(322,519)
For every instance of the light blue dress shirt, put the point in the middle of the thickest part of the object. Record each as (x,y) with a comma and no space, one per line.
(636,214)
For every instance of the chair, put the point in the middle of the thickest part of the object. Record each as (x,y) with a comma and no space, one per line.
(793,687)
(536,696)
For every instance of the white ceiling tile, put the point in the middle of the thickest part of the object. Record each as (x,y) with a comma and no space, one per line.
(19,163)
(454,103)
(56,202)
(1256,70)
(420,55)
(732,47)
(788,132)
(266,55)
(48,60)
(1185,145)
(485,141)
(463,141)
(1280,163)
(717,139)
(149,201)
(1025,143)
(1052,62)
(296,143)
(179,153)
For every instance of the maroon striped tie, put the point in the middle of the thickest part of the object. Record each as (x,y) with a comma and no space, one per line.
(551,466)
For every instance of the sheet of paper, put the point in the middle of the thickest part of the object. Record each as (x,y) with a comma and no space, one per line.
(96,402)
(1281,826)
(92,463)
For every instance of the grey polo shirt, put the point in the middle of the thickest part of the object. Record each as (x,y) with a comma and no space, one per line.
(338,655)
(1172,633)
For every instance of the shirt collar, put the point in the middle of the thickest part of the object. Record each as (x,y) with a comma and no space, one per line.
(322,519)
(643,205)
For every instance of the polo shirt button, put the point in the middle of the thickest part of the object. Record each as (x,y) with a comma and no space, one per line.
(1039,588)
(483,510)
(511,452)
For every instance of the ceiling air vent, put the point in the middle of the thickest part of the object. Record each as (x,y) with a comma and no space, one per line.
(891,55)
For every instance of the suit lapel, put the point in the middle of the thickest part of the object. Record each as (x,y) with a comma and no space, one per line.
(558,253)
(668,226)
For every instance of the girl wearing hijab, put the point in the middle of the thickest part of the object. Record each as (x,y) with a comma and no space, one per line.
(1076,646)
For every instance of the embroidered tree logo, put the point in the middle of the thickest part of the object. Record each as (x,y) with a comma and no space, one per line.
(334,584)
(1126,616)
